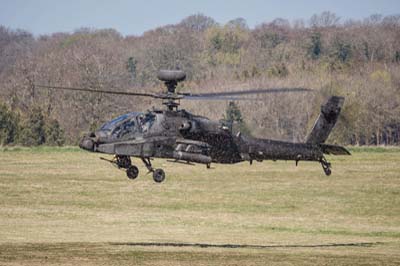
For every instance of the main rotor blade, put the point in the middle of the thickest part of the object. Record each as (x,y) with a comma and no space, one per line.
(220,98)
(100,91)
(244,92)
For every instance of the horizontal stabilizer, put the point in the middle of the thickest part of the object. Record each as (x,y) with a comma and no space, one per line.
(334,149)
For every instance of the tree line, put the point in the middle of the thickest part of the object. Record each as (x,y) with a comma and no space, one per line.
(358,59)
(35,129)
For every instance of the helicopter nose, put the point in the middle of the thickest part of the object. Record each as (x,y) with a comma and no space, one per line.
(87,143)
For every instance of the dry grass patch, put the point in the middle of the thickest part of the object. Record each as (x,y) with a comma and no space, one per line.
(70,206)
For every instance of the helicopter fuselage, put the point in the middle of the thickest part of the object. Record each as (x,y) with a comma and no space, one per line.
(183,136)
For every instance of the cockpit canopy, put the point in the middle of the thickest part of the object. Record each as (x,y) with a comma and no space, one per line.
(127,125)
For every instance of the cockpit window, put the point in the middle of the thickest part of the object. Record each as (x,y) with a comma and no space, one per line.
(146,121)
(111,125)
(127,125)
(125,128)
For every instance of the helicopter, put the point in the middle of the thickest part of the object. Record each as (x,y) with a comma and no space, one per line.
(180,136)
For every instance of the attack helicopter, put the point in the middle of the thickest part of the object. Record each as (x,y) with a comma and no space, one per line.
(178,135)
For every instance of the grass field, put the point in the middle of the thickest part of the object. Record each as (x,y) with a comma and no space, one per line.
(63,206)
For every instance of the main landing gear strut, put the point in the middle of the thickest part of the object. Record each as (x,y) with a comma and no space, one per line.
(123,161)
(326,166)
(158,174)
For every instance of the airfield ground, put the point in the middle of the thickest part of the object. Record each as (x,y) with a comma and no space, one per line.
(63,206)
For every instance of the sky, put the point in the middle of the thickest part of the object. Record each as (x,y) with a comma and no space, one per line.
(133,17)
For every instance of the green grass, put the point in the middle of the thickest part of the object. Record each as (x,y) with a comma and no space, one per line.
(65,206)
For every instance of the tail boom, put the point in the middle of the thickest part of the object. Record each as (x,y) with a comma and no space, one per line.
(312,150)
(264,149)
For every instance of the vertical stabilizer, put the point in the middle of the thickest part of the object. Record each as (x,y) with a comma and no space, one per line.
(326,120)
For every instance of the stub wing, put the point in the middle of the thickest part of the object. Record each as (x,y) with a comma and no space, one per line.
(160,147)
(145,147)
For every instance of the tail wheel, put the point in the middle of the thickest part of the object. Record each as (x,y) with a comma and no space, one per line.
(132,172)
(158,175)
(327,171)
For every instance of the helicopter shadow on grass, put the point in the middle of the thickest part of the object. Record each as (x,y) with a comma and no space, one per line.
(239,246)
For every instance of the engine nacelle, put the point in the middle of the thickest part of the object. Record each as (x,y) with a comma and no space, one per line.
(186,126)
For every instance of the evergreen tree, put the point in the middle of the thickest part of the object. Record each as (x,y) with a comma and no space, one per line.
(233,117)
(131,65)
(233,113)
(33,129)
(341,50)
(54,133)
(9,125)
(315,48)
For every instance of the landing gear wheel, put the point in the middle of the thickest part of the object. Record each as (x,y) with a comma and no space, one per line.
(132,172)
(158,175)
